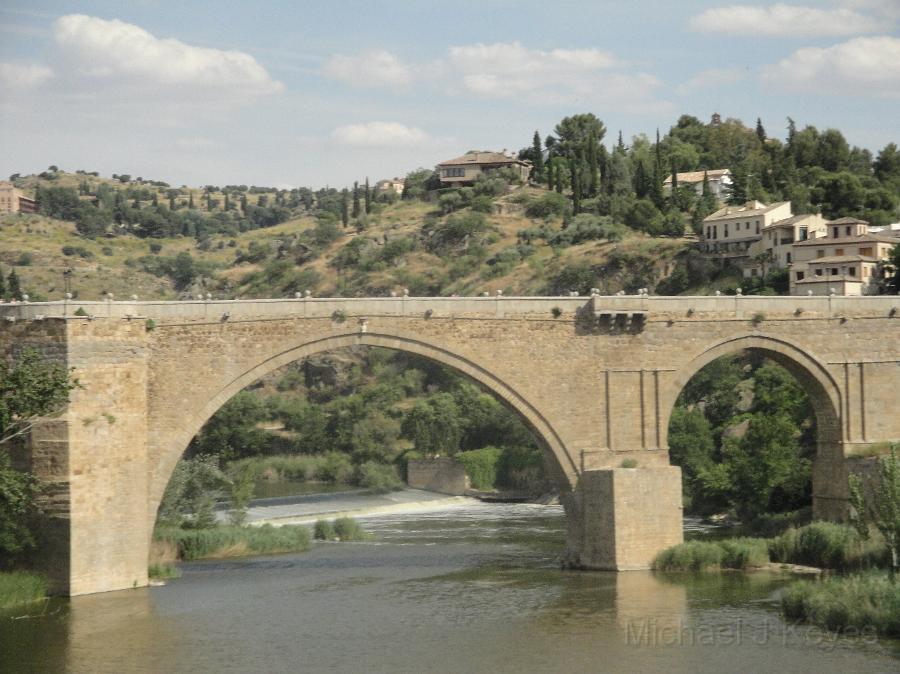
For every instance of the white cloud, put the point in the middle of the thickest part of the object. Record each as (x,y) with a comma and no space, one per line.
(783,20)
(377,134)
(507,69)
(23,76)
(122,51)
(370,69)
(864,65)
(712,78)
(889,9)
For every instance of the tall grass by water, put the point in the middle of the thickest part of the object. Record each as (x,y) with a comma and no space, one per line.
(342,529)
(828,545)
(231,541)
(21,587)
(865,601)
(825,545)
(734,553)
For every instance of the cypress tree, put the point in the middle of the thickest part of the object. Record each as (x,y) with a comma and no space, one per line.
(657,193)
(705,192)
(191,199)
(244,203)
(550,176)
(760,131)
(576,186)
(558,183)
(172,204)
(2,285)
(345,207)
(593,166)
(538,155)
(227,202)
(355,199)
(621,144)
(15,287)
(368,197)
(674,193)
(155,201)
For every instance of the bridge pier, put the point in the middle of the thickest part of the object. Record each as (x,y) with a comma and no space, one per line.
(619,518)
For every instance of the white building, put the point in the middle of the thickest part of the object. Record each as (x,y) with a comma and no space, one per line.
(731,230)
(719,181)
(775,247)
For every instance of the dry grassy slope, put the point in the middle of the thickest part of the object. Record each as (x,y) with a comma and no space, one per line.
(107,270)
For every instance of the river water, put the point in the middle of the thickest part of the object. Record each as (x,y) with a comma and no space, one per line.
(475,588)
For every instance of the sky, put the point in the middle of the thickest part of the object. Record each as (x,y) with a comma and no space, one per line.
(290,93)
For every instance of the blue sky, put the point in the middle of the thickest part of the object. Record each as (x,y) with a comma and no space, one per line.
(299,93)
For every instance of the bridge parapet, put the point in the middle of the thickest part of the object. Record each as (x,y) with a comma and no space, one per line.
(650,307)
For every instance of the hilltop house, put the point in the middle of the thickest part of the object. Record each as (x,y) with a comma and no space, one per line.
(775,247)
(846,261)
(719,181)
(464,170)
(730,231)
(13,200)
(394,185)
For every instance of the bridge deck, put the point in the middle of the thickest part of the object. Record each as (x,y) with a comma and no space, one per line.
(724,306)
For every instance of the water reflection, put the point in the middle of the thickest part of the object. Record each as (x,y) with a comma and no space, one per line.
(475,589)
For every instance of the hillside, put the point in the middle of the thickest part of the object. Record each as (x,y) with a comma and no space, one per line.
(396,249)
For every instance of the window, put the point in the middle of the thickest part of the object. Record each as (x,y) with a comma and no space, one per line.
(834,271)
(747,225)
(818,272)
(454,173)
(834,232)
(753,272)
(838,251)
(820,253)
(866,251)
(726,231)
(715,231)
(788,258)
(757,226)
(852,271)
(847,230)
(804,234)
(800,275)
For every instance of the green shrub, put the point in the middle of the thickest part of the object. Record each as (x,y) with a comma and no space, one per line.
(80,312)
(827,545)
(868,601)
(324,531)
(163,571)
(378,477)
(21,587)
(547,206)
(735,553)
(629,463)
(690,556)
(233,541)
(335,467)
(348,529)
(482,466)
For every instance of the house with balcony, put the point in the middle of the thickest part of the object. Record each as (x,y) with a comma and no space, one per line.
(386,186)
(465,169)
(718,180)
(848,260)
(729,232)
(775,247)
(13,200)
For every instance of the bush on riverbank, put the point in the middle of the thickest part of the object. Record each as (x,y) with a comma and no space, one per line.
(21,587)
(342,529)
(828,546)
(481,466)
(378,478)
(735,553)
(230,541)
(868,601)
(163,572)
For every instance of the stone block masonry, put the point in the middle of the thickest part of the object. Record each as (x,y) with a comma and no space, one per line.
(594,378)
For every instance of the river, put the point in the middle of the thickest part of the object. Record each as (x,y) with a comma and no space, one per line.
(473,588)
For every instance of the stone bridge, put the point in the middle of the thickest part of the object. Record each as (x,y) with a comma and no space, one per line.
(595,378)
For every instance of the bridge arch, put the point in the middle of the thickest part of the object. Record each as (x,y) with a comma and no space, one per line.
(167,456)
(829,471)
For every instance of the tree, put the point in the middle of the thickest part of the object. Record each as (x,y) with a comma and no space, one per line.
(760,131)
(30,388)
(191,200)
(576,186)
(345,207)
(368,197)
(15,287)
(576,131)
(883,508)
(2,284)
(550,175)
(892,270)
(594,167)
(537,156)
(356,209)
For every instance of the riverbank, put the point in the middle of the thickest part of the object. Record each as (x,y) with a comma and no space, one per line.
(21,587)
